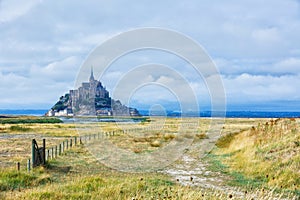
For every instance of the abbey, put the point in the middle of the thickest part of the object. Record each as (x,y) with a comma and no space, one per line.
(91,98)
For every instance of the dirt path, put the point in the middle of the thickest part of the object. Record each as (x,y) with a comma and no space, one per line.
(191,170)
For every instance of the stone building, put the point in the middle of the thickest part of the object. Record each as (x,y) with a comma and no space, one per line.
(90,93)
(91,98)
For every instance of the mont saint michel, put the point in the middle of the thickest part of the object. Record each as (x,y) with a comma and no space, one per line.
(91,98)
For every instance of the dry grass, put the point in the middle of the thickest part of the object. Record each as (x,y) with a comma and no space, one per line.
(267,153)
(77,175)
(155,143)
(201,136)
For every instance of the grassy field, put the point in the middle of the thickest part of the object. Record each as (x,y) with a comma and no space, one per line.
(258,157)
(267,155)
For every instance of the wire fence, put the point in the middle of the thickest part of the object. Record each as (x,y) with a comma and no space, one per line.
(40,156)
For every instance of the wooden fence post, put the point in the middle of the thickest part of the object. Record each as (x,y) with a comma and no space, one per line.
(52,153)
(56,151)
(59,149)
(18,166)
(44,151)
(48,154)
(33,152)
(28,165)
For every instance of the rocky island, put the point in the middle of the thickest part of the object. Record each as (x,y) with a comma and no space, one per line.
(91,98)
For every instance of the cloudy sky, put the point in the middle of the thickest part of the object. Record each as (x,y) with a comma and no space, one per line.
(255,45)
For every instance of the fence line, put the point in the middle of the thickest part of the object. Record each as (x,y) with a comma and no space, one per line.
(57,150)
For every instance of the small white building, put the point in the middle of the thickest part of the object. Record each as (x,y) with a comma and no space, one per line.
(61,113)
(50,113)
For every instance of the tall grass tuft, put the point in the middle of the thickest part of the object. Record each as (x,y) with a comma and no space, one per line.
(11,180)
(19,128)
(224,141)
(266,155)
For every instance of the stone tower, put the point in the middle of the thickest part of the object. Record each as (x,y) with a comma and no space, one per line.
(92,79)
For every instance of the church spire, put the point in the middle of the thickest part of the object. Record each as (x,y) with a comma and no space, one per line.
(92,75)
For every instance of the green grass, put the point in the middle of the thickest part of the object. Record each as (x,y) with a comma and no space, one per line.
(241,180)
(19,128)
(12,179)
(237,179)
(100,187)
(22,120)
(216,163)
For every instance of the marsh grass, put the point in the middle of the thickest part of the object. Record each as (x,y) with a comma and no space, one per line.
(202,136)
(11,179)
(19,128)
(264,156)
(155,143)
(225,140)
(77,175)
(29,120)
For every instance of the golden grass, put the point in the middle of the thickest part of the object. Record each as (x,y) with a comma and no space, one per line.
(155,143)
(80,176)
(267,152)
(260,153)
(147,136)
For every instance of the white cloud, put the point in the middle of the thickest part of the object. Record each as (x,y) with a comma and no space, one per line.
(43,44)
(289,66)
(12,9)
(276,67)
(40,87)
(20,92)
(59,71)
(267,36)
(259,88)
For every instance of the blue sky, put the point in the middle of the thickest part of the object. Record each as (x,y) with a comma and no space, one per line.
(255,45)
